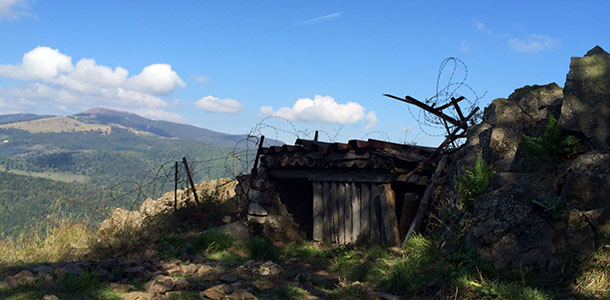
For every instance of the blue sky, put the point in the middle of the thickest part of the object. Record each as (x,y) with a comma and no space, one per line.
(226,65)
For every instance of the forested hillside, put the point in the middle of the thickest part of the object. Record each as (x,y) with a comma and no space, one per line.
(93,169)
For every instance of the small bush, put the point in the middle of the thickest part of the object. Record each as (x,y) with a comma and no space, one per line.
(349,292)
(552,147)
(475,182)
(309,253)
(422,264)
(262,249)
(290,292)
(211,241)
(85,283)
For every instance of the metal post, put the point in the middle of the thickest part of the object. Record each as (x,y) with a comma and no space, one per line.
(188,173)
(176,186)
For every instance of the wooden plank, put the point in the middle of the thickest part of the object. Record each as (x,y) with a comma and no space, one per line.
(318,211)
(328,219)
(365,210)
(409,207)
(423,204)
(375,215)
(348,213)
(355,212)
(338,175)
(388,211)
(334,238)
(341,210)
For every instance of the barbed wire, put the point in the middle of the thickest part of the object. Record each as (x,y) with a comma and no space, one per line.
(428,122)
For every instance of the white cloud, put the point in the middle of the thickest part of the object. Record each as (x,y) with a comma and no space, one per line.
(371,120)
(13,9)
(200,79)
(464,46)
(323,109)
(533,43)
(156,79)
(213,104)
(480,26)
(321,19)
(53,82)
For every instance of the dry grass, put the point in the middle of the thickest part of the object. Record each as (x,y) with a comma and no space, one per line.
(65,241)
(57,124)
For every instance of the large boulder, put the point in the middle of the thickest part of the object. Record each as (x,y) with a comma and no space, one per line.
(586,106)
(506,120)
(587,182)
(506,227)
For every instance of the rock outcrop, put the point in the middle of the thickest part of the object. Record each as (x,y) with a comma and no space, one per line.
(586,105)
(222,189)
(533,215)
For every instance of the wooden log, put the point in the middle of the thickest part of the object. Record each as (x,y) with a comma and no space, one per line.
(328,219)
(355,212)
(409,208)
(341,209)
(365,210)
(348,213)
(318,211)
(388,211)
(424,203)
(334,237)
(375,215)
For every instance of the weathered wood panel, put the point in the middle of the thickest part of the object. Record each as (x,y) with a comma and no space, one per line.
(341,209)
(334,237)
(409,208)
(390,232)
(355,212)
(375,215)
(365,210)
(328,219)
(318,211)
(348,213)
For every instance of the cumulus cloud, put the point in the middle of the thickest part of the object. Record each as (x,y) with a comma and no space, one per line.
(13,9)
(52,79)
(213,104)
(533,43)
(323,109)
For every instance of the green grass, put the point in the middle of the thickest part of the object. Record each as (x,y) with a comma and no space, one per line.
(348,292)
(290,292)
(57,176)
(262,249)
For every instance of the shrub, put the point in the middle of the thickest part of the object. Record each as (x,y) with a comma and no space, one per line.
(475,182)
(212,240)
(553,146)
(290,292)
(262,249)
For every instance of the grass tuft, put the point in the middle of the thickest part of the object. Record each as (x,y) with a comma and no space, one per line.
(262,249)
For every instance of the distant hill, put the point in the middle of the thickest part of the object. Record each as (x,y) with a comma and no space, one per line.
(102,156)
(12,118)
(104,116)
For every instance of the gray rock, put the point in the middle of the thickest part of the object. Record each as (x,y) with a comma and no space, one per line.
(238,229)
(136,272)
(586,106)
(507,230)
(137,296)
(269,268)
(50,297)
(587,184)
(256,209)
(217,292)
(228,278)
(44,269)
